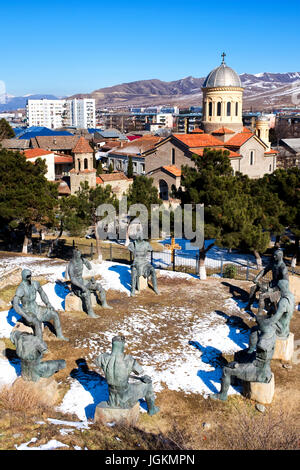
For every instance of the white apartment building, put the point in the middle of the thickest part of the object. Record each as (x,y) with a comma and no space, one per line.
(45,113)
(82,113)
(61,113)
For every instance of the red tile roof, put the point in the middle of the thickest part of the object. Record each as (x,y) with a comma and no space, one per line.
(271,152)
(199,140)
(59,158)
(231,153)
(173,170)
(33,153)
(82,146)
(245,129)
(197,130)
(239,139)
(222,131)
(105,177)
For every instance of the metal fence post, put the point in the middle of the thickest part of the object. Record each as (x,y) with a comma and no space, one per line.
(110,251)
(92,250)
(247,271)
(73,244)
(197,264)
(151,261)
(221,266)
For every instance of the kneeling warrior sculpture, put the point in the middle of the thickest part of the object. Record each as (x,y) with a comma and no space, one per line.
(81,288)
(140,266)
(268,291)
(30,350)
(117,368)
(281,318)
(258,370)
(34,314)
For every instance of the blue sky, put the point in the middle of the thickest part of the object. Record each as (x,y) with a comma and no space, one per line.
(66,47)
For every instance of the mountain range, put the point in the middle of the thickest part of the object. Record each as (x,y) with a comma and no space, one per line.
(262,91)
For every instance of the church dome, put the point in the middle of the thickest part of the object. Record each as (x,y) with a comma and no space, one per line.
(222,76)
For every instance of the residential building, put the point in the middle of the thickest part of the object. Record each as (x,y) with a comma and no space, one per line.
(53,114)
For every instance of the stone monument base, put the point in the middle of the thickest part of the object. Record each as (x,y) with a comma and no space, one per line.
(46,389)
(260,392)
(143,283)
(104,414)
(284,348)
(24,328)
(73,303)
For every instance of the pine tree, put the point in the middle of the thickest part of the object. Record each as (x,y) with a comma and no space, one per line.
(27,198)
(130,168)
(6,131)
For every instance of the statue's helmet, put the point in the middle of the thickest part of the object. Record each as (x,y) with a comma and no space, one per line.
(26,273)
(118,344)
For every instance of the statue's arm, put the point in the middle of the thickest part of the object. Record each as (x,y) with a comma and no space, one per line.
(285,273)
(43,295)
(263,272)
(131,247)
(281,309)
(17,300)
(86,263)
(137,368)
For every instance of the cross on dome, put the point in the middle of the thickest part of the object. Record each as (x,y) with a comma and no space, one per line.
(223,57)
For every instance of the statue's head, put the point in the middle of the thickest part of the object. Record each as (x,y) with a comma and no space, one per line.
(118,344)
(76,253)
(283,285)
(26,275)
(278,256)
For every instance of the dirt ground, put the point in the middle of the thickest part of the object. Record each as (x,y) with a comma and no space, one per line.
(185,421)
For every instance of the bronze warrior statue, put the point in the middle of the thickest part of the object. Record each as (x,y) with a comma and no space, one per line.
(24,303)
(30,349)
(269,290)
(117,368)
(82,288)
(141,266)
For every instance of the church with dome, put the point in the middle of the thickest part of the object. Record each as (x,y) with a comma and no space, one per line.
(222,128)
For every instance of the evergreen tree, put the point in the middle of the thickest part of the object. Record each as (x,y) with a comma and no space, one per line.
(27,198)
(99,169)
(6,131)
(130,168)
(110,168)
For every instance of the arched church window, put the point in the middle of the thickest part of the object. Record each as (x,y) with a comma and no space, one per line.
(236,108)
(228,108)
(210,108)
(173,157)
(86,164)
(251,157)
(78,164)
(219,108)
(258,132)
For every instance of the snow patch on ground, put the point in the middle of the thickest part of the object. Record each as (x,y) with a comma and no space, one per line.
(51,445)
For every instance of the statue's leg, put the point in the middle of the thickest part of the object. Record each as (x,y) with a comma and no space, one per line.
(102,295)
(88,304)
(133,280)
(57,326)
(150,400)
(225,384)
(261,302)
(48,368)
(154,280)
(253,338)
(37,326)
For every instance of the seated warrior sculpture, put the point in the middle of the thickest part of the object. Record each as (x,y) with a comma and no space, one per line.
(140,266)
(117,368)
(30,350)
(259,369)
(34,314)
(281,318)
(268,290)
(81,288)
